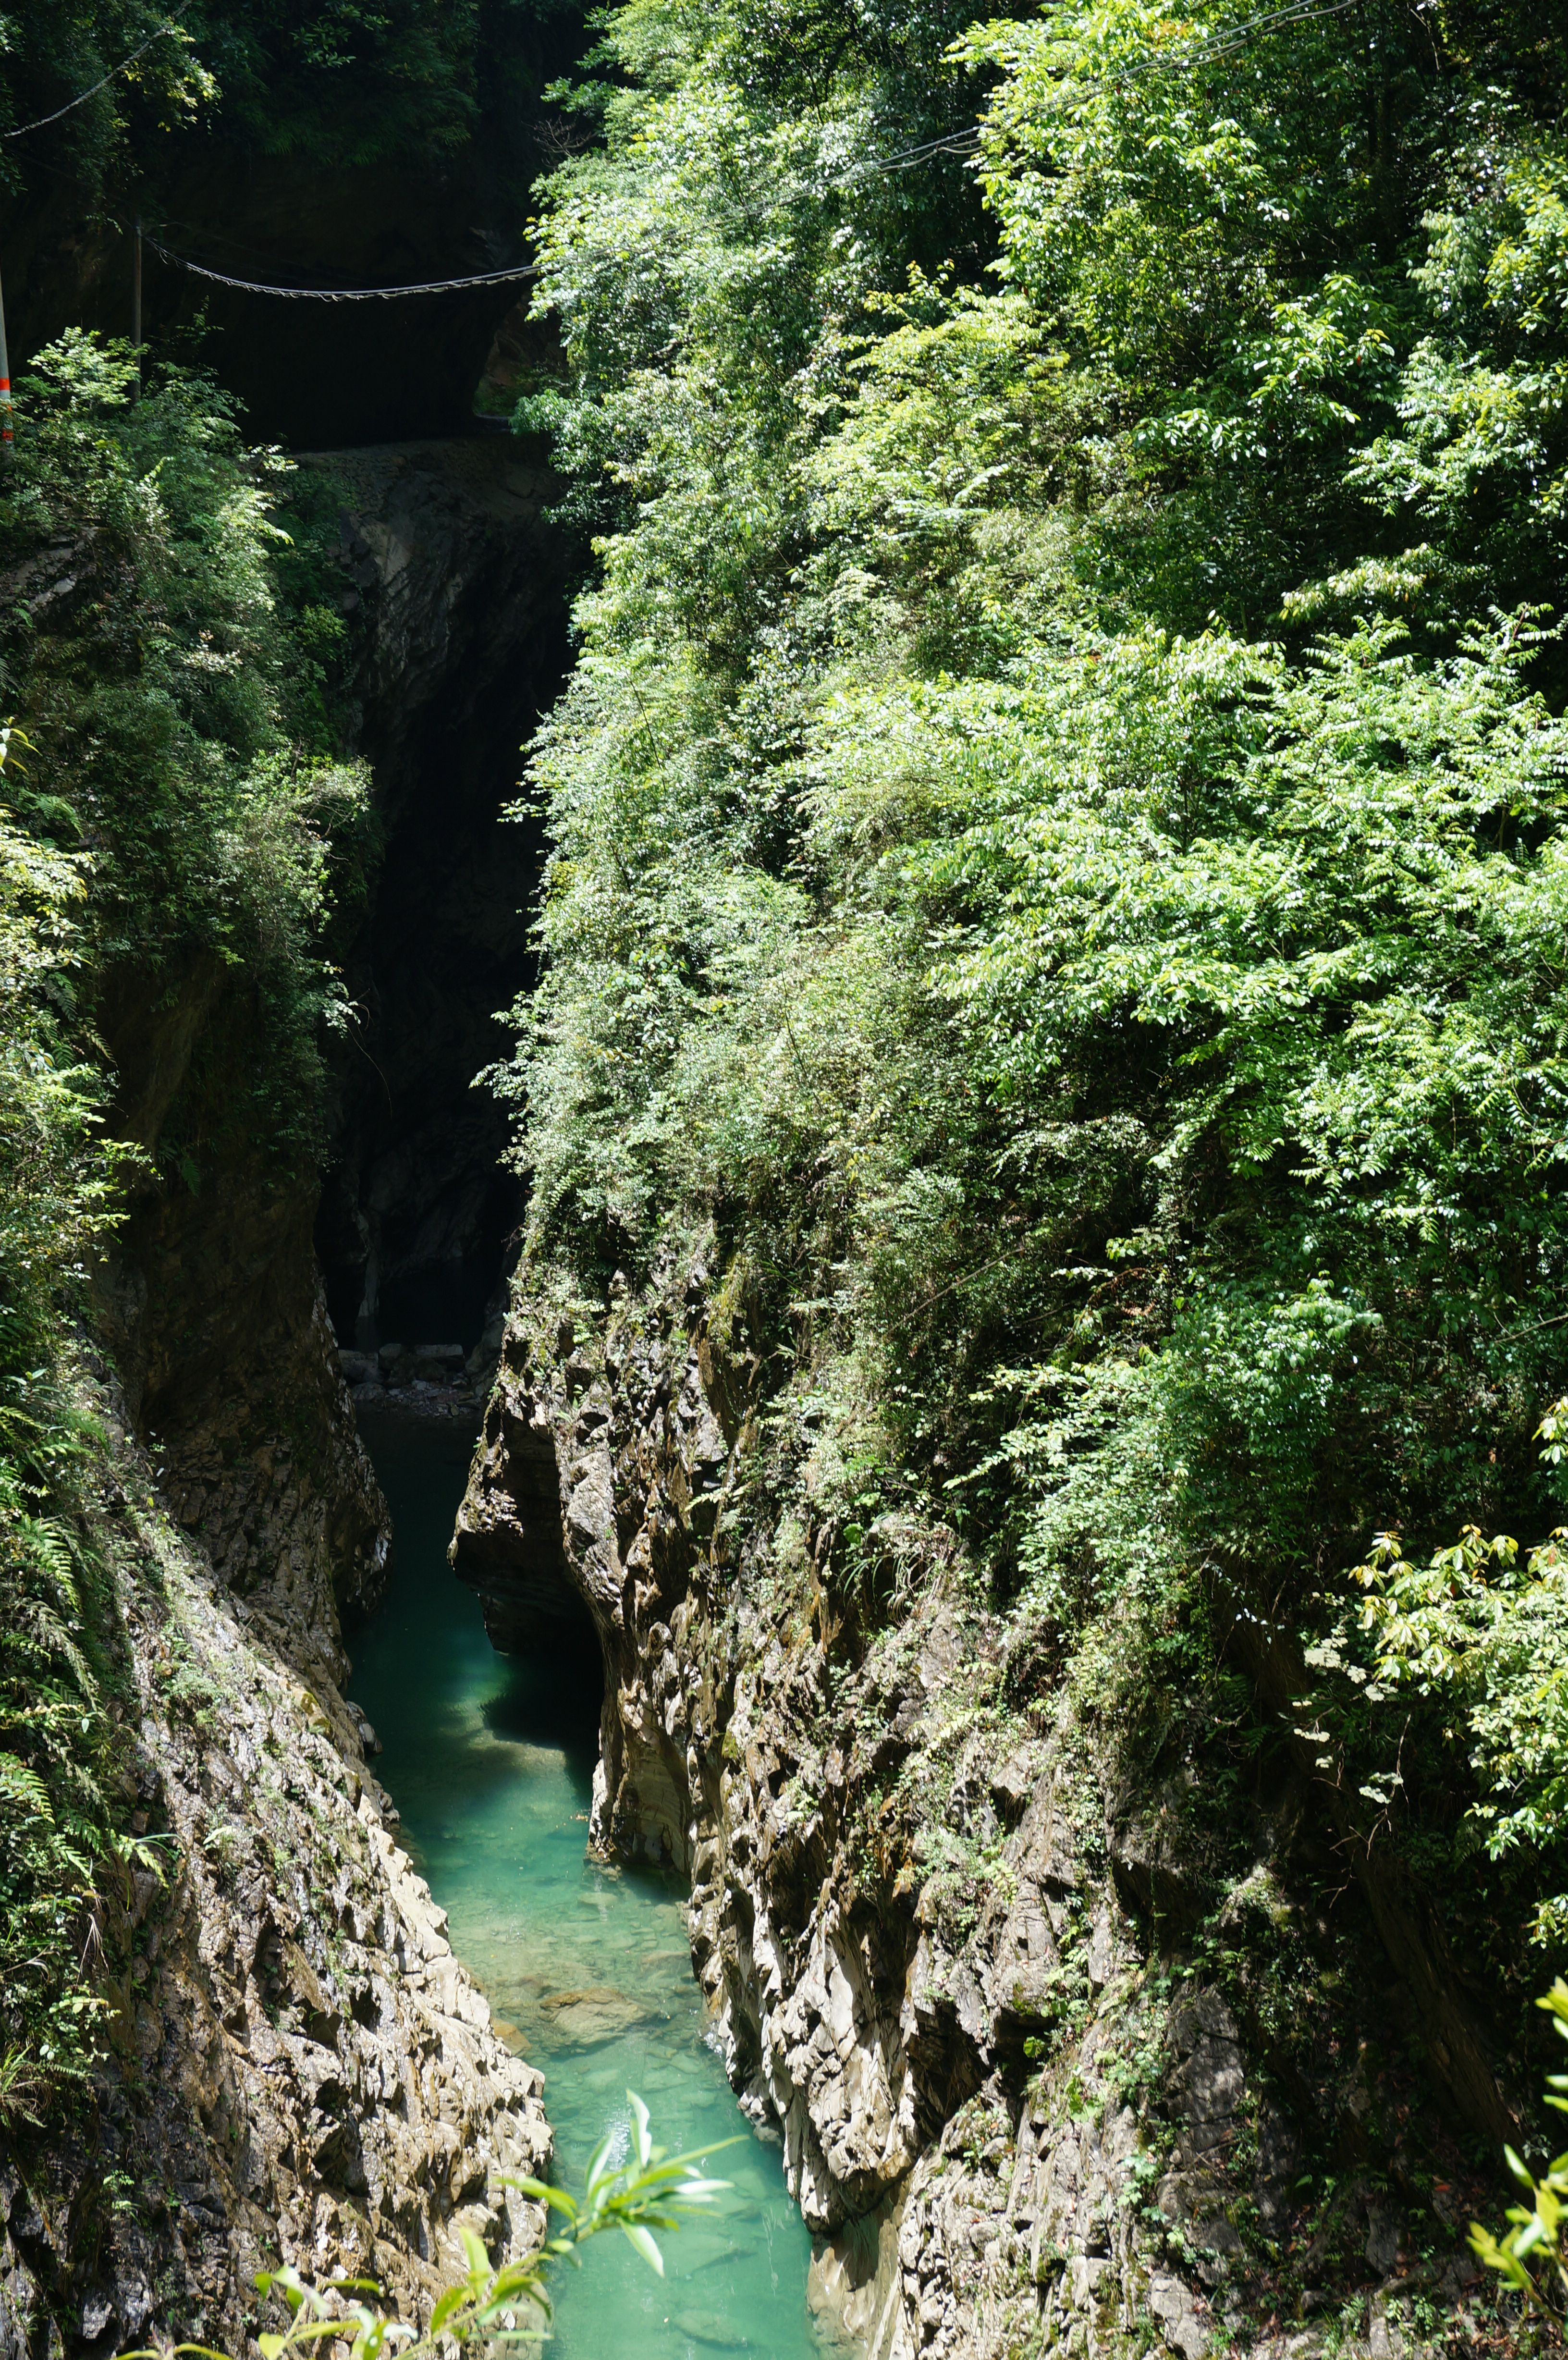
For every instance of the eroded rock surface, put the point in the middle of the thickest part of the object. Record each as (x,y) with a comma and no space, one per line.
(941,1944)
(299,2068)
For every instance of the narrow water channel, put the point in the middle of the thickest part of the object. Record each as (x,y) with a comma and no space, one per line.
(490,1760)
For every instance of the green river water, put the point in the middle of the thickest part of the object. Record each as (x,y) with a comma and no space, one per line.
(489,1759)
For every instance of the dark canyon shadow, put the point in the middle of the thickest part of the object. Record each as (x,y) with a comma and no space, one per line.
(462,584)
(275,184)
(553,1698)
(450,1710)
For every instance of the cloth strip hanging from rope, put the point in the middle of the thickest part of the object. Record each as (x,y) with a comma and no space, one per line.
(342,294)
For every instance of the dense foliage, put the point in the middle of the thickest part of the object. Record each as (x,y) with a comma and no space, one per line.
(1058,818)
(335,84)
(171,831)
(54,1829)
(1528,2256)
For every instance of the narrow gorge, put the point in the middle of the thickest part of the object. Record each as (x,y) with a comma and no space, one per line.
(781,1078)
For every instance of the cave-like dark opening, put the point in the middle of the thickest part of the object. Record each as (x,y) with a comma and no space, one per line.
(464,580)
(557,1692)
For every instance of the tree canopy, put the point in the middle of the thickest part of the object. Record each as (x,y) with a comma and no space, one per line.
(1058,818)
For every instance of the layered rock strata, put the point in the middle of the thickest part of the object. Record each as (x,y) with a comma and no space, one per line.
(298,2069)
(946,1956)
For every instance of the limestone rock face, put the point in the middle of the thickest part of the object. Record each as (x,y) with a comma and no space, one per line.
(209,1302)
(299,2068)
(842,2016)
(1017,2115)
(443,542)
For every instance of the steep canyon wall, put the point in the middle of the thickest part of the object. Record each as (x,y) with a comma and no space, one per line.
(296,2068)
(949,1948)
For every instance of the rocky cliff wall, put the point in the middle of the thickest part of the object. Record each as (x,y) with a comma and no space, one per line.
(297,2068)
(210,1304)
(951,1954)
(210,1299)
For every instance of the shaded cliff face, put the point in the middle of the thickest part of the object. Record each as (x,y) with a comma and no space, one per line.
(210,1301)
(296,2068)
(309,174)
(214,1304)
(209,1297)
(459,587)
(948,1943)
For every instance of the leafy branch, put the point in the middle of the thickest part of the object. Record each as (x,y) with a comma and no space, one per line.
(1530,2255)
(507,2305)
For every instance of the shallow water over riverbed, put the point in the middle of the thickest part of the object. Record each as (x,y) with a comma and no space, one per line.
(490,1760)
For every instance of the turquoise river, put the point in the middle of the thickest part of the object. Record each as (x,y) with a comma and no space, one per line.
(489,1760)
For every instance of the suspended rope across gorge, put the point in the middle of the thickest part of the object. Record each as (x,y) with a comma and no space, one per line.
(959,143)
(342,294)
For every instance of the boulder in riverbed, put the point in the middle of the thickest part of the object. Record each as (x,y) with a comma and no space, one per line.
(584,2019)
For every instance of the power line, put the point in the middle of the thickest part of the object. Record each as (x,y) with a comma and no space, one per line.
(962,141)
(1235,37)
(958,142)
(342,294)
(83,95)
(950,143)
(1220,44)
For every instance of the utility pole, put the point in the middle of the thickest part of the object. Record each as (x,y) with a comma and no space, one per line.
(136,298)
(7,448)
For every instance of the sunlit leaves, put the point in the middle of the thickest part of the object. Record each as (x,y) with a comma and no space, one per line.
(499,2306)
(1487,1635)
(1059,817)
(1530,2254)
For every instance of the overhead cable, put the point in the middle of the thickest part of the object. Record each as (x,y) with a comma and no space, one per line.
(962,141)
(1219,44)
(951,143)
(83,95)
(342,294)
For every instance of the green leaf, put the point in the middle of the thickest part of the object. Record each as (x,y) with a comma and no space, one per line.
(452,2301)
(560,2197)
(644,2242)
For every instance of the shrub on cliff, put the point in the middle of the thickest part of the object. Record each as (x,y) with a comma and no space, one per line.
(177,691)
(170,813)
(55,1189)
(1057,818)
